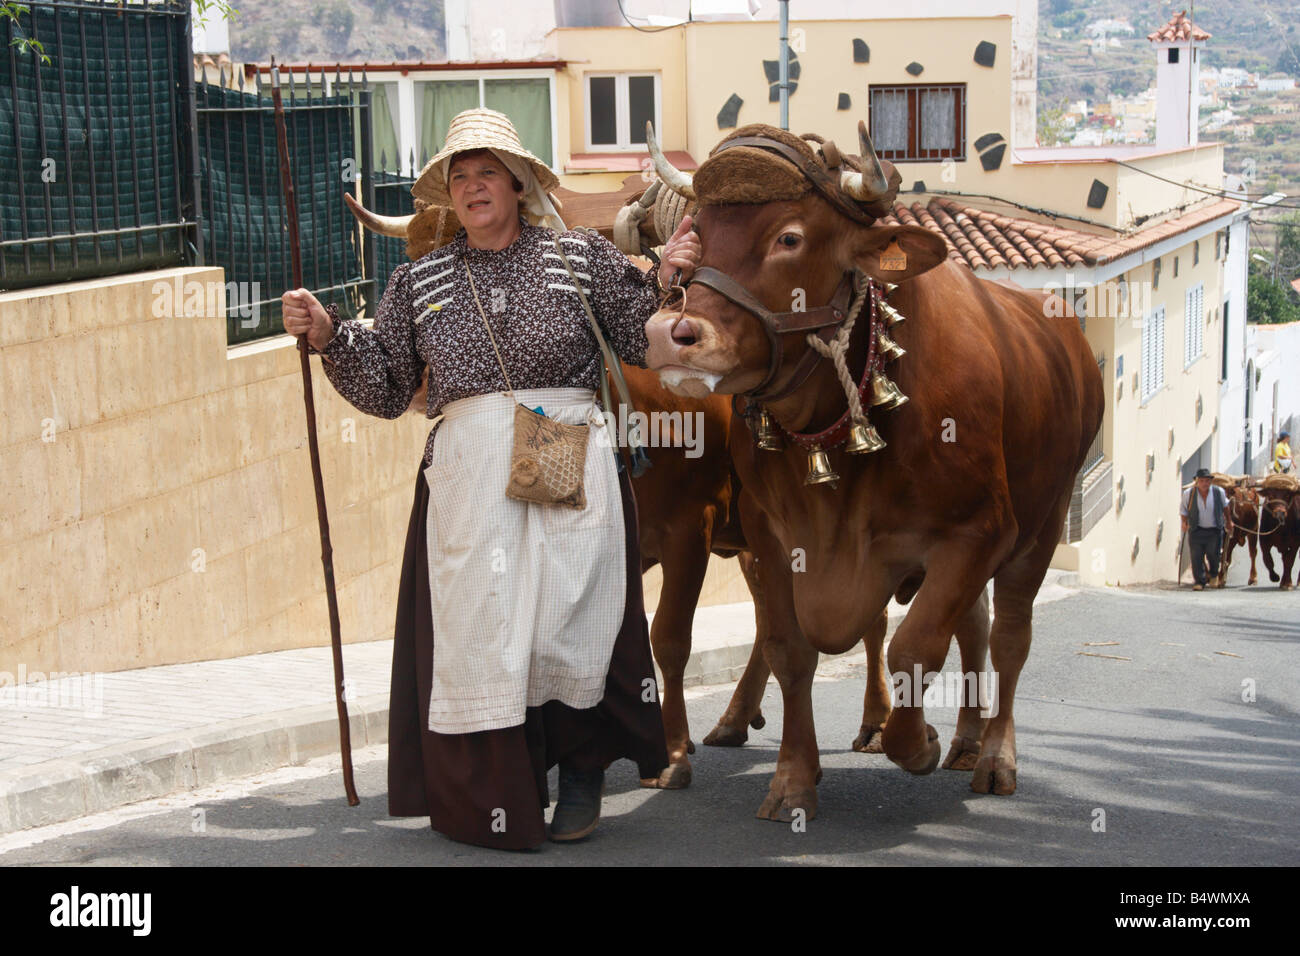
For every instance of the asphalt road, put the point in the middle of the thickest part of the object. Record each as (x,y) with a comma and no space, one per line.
(1185,770)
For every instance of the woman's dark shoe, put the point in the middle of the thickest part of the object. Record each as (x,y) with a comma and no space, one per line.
(577,810)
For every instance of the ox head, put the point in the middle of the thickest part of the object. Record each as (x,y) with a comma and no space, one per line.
(1273,507)
(785,219)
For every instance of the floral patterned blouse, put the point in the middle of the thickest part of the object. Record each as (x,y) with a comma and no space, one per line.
(428,316)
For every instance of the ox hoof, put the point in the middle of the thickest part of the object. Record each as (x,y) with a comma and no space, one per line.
(870,739)
(676,777)
(1252,580)
(759,721)
(1284,586)
(1272,576)
(995,775)
(690,746)
(782,807)
(725,735)
(924,760)
(964,754)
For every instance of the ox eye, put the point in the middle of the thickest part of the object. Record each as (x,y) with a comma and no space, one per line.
(789,240)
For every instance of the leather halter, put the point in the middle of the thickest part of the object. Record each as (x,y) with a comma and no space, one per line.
(838,432)
(824,319)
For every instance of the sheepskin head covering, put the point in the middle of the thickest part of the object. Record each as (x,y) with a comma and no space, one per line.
(747,174)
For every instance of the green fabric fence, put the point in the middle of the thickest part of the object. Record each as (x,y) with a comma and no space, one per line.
(93,143)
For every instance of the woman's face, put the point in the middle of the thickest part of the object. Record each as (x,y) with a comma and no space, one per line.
(482,192)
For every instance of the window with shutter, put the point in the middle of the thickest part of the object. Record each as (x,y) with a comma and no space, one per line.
(918,122)
(1194,324)
(1153,353)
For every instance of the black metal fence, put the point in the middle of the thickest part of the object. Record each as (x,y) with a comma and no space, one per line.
(120,162)
(392,198)
(95,142)
(244,225)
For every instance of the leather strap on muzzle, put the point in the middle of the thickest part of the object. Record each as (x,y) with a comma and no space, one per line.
(824,319)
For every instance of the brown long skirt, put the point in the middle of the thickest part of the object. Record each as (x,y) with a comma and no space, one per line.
(489,788)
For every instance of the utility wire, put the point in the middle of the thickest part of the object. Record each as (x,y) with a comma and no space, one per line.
(644,29)
(1219,193)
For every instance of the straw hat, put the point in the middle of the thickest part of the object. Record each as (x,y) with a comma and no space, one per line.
(477,129)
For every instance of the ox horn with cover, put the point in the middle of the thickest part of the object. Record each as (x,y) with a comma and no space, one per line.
(871,184)
(678,181)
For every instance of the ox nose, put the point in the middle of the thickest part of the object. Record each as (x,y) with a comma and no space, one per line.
(668,332)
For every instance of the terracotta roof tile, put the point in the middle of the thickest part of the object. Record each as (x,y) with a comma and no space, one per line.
(1178,28)
(986,240)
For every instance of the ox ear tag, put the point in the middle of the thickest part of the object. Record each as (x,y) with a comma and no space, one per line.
(893,259)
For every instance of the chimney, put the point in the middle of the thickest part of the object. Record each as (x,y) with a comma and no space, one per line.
(1178,46)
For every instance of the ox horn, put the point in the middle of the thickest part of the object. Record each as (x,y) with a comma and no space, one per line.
(870,184)
(384,225)
(678,181)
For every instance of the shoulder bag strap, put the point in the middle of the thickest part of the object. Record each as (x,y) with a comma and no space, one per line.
(640,460)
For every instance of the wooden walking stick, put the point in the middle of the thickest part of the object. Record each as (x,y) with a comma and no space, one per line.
(326,551)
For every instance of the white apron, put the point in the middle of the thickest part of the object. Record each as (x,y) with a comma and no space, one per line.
(527,598)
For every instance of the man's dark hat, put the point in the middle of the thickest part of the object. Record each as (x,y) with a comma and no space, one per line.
(1202,473)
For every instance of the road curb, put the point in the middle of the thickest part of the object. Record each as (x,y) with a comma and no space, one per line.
(60,790)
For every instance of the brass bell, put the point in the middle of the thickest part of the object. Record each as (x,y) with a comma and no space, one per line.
(766,434)
(819,468)
(890,287)
(889,349)
(891,314)
(863,439)
(884,392)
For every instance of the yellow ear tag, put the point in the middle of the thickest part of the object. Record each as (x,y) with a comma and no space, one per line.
(893,259)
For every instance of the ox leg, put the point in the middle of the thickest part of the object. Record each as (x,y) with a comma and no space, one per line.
(952,585)
(1014,590)
(685,559)
(793,660)
(973,642)
(1288,557)
(1229,545)
(1250,543)
(745,709)
(1266,553)
(876,701)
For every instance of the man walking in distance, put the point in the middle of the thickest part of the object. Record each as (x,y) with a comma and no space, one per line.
(1206,518)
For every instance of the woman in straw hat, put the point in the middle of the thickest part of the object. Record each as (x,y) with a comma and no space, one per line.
(521,638)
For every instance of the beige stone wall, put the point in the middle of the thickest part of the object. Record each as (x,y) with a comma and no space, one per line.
(157,500)
(158,504)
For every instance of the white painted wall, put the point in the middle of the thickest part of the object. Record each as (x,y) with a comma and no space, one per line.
(1176,104)
(1282,342)
(211,35)
(1232,391)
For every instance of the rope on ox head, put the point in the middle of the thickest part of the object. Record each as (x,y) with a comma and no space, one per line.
(838,347)
(627,222)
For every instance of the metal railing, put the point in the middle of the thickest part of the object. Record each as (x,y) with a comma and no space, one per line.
(244,209)
(96,141)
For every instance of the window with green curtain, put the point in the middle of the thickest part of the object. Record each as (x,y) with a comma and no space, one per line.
(442,100)
(383,124)
(528,104)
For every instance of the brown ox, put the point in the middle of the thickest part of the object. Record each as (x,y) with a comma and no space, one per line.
(974,482)
(1251,526)
(1281,520)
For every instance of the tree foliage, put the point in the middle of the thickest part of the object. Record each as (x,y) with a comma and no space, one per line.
(1269,302)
